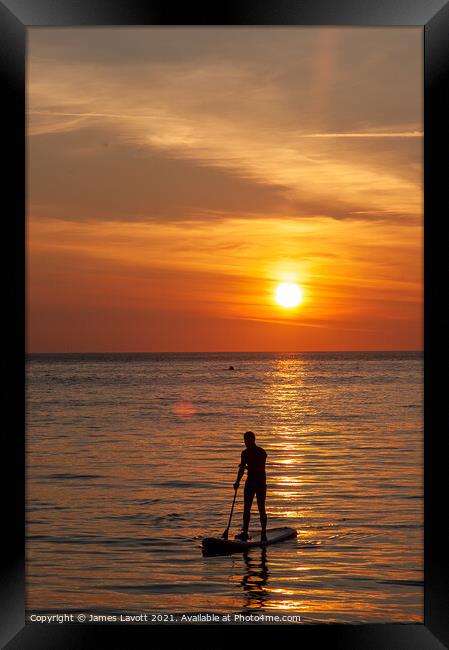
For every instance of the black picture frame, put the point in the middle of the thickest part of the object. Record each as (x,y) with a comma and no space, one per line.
(15,17)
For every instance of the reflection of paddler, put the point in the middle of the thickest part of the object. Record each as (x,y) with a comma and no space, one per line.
(231,367)
(255,579)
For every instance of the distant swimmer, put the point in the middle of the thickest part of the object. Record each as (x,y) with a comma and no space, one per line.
(253,459)
(231,367)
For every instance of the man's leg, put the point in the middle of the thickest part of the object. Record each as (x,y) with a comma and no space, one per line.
(248,496)
(261,494)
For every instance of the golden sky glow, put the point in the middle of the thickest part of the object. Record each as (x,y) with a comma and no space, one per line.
(177,176)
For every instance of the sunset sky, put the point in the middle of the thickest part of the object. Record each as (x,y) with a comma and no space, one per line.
(176,176)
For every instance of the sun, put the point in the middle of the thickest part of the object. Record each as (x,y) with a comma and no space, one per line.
(288,295)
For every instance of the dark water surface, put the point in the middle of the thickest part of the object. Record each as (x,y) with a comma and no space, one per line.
(131,460)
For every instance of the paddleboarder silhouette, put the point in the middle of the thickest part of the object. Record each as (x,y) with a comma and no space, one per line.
(253,459)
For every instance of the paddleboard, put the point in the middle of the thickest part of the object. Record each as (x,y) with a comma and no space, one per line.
(220,546)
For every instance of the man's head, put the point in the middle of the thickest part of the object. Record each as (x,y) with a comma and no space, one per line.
(249,438)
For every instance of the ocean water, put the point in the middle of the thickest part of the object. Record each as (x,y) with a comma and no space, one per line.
(131,460)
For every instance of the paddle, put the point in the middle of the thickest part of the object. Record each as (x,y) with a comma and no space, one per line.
(226,533)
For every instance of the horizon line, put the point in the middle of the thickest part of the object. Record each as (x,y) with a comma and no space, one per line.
(225,351)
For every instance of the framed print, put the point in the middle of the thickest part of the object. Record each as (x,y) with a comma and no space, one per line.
(223,349)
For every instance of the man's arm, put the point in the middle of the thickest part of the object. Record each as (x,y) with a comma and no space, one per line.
(241,471)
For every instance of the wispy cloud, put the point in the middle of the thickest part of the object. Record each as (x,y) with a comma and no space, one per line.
(241,117)
(366,134)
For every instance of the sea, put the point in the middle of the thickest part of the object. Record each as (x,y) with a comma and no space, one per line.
(131,460)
